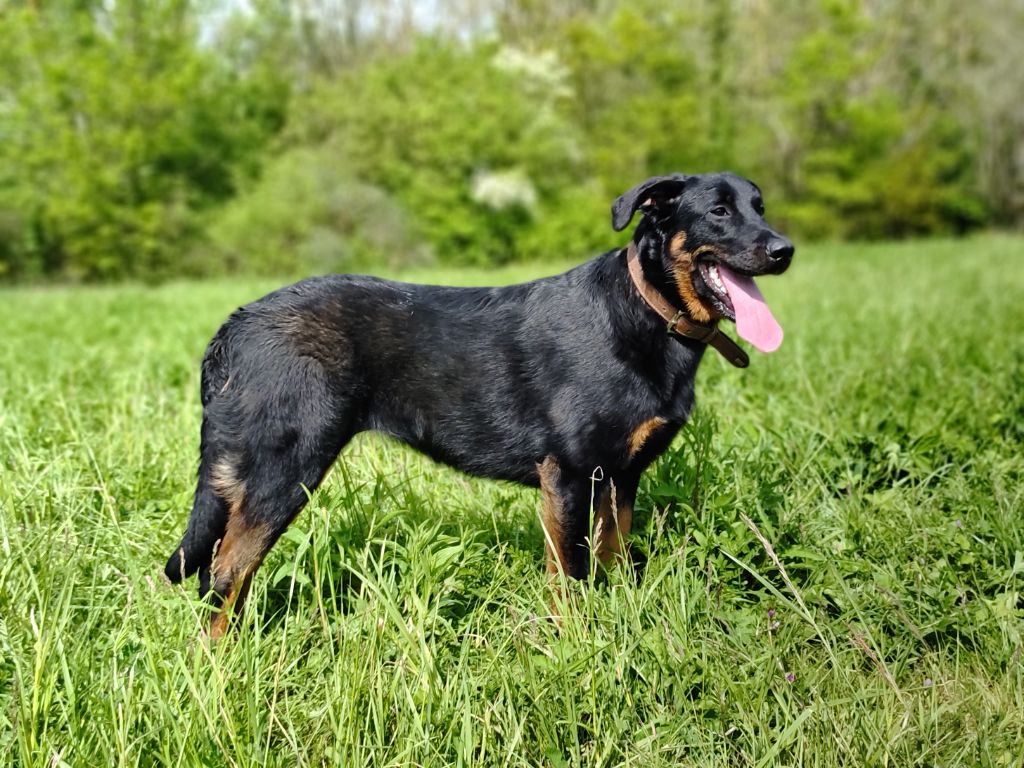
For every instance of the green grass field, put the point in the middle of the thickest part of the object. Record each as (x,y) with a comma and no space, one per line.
(836,554)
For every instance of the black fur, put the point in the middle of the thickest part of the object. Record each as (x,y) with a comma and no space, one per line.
(489,380)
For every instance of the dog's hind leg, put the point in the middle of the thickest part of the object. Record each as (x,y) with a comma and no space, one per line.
(283,439)
(238,555)
(286,458)
(263,497)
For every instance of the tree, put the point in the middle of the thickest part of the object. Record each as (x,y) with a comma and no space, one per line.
(438,128)
(120,129)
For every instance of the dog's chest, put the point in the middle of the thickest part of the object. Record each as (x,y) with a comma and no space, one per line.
(649,428)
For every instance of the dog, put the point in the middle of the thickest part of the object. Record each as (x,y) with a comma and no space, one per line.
(572,384)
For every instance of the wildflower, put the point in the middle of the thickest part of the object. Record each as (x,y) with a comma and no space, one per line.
(790,677)
(928,682)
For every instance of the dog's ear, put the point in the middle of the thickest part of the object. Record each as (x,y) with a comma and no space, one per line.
(648,196)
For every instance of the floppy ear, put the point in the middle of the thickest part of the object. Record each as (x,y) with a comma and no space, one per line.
(647,196)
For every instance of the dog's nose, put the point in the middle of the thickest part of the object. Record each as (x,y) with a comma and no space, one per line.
(779,251)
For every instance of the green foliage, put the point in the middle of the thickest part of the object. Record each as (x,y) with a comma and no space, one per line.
(148,139)
(872,165)
(470,142)
(637,95)
(118,131)
(308,214)
(835,572)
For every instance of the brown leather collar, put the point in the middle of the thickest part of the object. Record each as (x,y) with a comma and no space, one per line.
(676,320)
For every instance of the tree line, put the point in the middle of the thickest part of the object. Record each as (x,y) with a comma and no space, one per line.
(146,139)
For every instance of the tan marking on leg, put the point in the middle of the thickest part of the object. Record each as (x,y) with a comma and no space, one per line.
(639,436)
(234,603)
(612,524)
(551,514)
(683,264)
(239,555)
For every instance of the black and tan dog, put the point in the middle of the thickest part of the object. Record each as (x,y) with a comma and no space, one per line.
(540,383)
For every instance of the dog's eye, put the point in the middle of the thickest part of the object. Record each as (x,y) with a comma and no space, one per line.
(759,208)
(720,211)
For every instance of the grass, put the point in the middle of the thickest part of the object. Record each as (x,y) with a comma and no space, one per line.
(836,554)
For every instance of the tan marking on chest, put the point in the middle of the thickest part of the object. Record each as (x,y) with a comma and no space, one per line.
(639,436)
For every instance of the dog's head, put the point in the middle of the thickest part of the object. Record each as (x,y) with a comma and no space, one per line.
(711,240)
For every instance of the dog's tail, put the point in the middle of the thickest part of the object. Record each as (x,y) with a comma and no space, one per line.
(209,518)
(206,527)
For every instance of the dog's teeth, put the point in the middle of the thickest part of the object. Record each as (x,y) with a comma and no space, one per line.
(715,277)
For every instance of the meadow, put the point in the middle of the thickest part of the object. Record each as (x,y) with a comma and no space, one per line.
(835,575)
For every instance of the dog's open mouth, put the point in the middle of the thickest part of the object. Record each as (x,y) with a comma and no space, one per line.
(738,298)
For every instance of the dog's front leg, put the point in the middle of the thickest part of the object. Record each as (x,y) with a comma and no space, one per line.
(565,514)
(613,520)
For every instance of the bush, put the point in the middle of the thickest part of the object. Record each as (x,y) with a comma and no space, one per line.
(118,132)
(307,214)
(470,141)
(142,139)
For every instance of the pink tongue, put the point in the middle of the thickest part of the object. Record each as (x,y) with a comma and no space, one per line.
(754,321)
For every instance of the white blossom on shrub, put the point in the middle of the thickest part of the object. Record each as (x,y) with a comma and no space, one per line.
(542,68)
(504,189)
